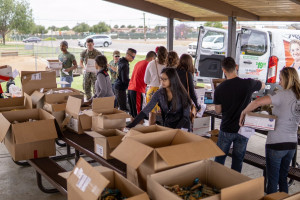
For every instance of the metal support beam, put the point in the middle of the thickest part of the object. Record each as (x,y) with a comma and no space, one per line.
(170,35)
(231,36)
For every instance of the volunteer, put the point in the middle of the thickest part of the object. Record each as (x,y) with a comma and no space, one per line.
(103,84)
(68,64)
(282,142)
(87,57)
(4,78)
(230,98)
(173,101)
(152,79)
(172,59)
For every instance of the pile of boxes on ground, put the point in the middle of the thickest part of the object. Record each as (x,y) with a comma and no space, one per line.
(155,156)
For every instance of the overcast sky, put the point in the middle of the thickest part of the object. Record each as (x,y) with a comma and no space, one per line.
(70,12)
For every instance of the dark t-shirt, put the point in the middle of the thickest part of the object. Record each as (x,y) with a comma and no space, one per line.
(234,95)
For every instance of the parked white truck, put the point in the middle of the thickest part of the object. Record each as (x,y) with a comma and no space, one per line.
(260,54)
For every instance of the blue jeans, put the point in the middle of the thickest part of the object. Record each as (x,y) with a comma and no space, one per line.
(239,149)
(277,165)
(68,79)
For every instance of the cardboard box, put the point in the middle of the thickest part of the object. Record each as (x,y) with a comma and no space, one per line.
(28,140)
(146,129)
(233,185)
(87,183)
(35,80)
(158,151)
(5,70)
(76,118)
(57,110)
(16,103)
(201,125)
(54,64)
(106,141)
(46,96)
(260,121)
(105,116)
(293,197)
(276,196)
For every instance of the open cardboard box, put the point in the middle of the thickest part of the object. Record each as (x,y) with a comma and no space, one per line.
(233,185)
(54,64)
(5,70)
(105,116)
(87,183)
(260,121)
(28,140)
(76,119)
(147,154)
(35,80)
(40,98)
(146,129)
(57,110)
(16,103)
(106,141)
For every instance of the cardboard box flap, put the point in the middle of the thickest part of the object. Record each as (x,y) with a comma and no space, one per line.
(86,122)
(43,130)
(114,141)
(189,152)
(116,115)
(261,115)
(11,102)
(103,103)
(27,101)
(36,97)
(243,191)
(73,106)
(142,196)
(65,175)
(5,125)
(87,180)
(55,107)
(136,152)
(94,134)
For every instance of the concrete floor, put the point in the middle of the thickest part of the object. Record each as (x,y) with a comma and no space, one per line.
(18,182)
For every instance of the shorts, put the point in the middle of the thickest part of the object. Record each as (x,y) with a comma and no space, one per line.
(150,92)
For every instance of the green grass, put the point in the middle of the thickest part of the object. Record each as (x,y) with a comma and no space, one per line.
(46,52)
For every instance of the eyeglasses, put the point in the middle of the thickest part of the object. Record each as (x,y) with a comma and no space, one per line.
(163,79)
(131,56)
(117,56)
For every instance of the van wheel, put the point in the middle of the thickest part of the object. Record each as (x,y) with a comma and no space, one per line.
(105,44)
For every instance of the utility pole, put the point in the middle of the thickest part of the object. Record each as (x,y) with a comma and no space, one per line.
(144,27)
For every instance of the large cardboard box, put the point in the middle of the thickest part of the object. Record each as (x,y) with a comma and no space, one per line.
(276,196)
(28,140)
(5,70)
(201,125)
(76,118)
(16,103)
(105,116)
(293,197)
(233,185)
(147,154)
(87,183)
(140,129)
(35,80)
(53,96)
(260,121)
(106,141)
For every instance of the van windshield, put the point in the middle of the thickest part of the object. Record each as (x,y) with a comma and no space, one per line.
(254,43)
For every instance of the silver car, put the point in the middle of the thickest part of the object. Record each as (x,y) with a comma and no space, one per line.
(99,40)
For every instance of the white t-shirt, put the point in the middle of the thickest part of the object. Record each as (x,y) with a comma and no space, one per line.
(152,75)
(287,109)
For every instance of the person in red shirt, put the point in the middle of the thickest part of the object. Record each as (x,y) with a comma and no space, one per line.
(137,85)
(4,78)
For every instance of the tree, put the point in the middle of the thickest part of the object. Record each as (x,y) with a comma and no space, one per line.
(64,28)
(53,28)
(141,26)
(123,26)
(182,30)
(100,28)
(15,15)
(130,26)
(39,29)
(82,27)
(214,24)
(116,26)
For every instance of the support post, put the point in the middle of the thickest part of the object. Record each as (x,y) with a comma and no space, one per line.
(170,35)
(231,36)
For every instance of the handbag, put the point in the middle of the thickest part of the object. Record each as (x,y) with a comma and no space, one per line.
(193,111)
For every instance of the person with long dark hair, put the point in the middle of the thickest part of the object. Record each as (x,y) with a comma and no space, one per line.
(173,101)
(185,72)
(102,84)
(281,143)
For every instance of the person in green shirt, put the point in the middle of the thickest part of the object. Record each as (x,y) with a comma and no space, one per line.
(113,67)
(68,64)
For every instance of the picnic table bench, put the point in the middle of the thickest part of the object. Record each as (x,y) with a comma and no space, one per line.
(5,54)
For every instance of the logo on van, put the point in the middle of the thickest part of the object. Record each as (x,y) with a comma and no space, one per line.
(260,65)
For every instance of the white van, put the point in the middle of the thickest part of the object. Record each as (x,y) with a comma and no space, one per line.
(260,54)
